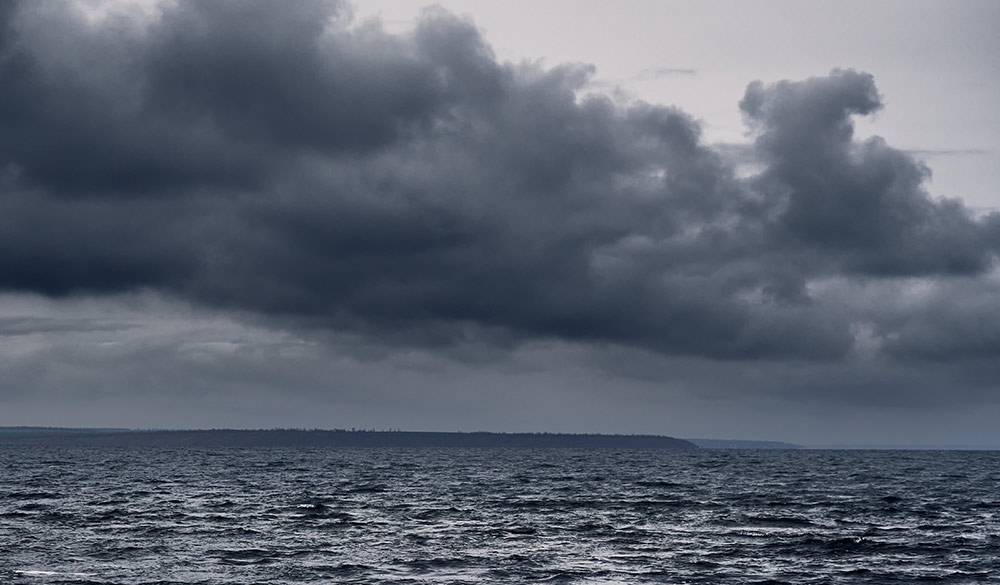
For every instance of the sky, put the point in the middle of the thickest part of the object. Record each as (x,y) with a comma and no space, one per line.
(770,220)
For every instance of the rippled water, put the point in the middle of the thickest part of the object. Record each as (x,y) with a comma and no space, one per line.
(497,516)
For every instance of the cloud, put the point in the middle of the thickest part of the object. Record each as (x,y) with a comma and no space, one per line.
(289,166)
(659,72)
(948,152)
(860,205)
(16,326)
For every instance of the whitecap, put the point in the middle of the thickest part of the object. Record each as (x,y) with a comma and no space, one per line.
(39,573)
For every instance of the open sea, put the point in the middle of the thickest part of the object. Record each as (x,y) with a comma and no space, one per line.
(148,515)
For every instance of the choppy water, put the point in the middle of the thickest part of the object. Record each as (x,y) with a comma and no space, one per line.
(497,516)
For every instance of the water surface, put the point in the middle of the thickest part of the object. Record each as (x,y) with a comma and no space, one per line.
(147,515)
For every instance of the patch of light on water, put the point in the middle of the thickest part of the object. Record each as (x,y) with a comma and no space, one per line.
(41,573)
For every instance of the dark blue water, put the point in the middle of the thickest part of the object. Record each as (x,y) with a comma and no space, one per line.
(497,516)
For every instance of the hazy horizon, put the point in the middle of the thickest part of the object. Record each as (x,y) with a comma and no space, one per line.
(742,442)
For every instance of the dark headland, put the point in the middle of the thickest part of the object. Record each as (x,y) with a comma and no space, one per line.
(222,438)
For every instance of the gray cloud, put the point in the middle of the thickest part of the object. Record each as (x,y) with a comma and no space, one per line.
(664,72)
(29,325)
(179,366)
(948,152)
(858,204)
(280,162)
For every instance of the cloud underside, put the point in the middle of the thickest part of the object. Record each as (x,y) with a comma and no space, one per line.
(279,161)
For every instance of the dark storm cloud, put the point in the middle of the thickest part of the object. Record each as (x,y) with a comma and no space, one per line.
(859,204)
(270,75)
(961,320)
(277,160)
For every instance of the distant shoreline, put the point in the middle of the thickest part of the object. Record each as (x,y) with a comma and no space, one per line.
(222,438)
(233,438)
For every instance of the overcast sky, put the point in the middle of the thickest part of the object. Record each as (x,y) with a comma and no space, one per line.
(771,220)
